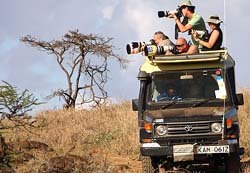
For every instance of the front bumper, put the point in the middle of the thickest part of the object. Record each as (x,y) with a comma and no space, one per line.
(187,152)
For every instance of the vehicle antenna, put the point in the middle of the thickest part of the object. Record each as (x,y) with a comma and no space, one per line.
(224,75)
(224,101)
(225,24)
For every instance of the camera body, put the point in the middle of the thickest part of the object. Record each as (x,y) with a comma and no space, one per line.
(177,12)
(137,47)
(202,34)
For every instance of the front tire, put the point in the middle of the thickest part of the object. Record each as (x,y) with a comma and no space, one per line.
(148,165)
(232,163)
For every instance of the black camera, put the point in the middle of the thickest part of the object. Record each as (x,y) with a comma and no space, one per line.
(137,47)
(177,12)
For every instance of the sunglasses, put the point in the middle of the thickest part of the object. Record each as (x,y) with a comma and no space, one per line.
(179,45)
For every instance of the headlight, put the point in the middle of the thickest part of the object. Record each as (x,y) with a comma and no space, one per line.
(216,127)
(161,130)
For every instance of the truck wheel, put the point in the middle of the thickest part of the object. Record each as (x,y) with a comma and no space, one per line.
(148,165)
(233,163)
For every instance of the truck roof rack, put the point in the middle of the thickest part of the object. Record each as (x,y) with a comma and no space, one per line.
(205,59)
(205,56)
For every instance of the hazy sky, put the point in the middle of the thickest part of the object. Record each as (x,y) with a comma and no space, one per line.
(124,20)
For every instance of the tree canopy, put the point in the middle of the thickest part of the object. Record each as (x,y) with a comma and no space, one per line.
(84,62)
(15,104)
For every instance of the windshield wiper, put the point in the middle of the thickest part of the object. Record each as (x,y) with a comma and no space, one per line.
(169,104)
(202,102)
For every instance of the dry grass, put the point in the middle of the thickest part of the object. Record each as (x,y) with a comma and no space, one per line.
(109,133)
(113,128)
(104,132)
(244,120)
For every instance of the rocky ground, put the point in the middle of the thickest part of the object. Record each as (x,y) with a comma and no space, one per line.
(26,156)
(36,157)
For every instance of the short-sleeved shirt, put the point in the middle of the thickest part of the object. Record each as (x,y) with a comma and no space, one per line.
(197,23)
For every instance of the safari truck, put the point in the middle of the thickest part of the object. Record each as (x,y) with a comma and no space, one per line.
(199,126)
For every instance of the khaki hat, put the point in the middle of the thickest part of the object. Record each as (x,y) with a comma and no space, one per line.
(214,19)
(186,3)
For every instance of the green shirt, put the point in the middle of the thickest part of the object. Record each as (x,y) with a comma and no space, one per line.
(197,23)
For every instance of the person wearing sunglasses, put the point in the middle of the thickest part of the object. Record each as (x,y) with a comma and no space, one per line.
(183,47)
(215,37)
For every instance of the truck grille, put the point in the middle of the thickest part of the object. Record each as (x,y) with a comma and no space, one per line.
(204,139)
(188,129)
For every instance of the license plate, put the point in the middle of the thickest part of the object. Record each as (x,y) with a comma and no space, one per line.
(212,149)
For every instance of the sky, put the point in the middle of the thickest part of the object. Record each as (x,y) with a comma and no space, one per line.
(123,20)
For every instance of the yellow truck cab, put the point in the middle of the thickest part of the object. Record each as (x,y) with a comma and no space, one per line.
(196,123)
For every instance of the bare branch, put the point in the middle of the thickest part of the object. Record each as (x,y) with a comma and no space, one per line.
(83,59)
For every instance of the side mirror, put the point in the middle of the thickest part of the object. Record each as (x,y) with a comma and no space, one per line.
(135,103)
(143,76)
(240,99)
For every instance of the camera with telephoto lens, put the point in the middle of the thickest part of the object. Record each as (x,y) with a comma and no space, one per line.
(177,12)
(137,47)
(153,50)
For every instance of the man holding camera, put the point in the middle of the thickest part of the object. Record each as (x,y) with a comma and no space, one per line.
(161,39)
(195,21)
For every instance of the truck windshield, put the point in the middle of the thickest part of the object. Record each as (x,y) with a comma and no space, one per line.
(188,85)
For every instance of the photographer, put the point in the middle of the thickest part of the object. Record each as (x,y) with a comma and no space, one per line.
(215,37)
(161,39)
(195,21)
(184,48)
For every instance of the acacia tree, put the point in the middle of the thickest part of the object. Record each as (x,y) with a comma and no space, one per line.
(84,61)
(14,104)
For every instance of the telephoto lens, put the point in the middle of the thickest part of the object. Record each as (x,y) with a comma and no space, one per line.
(129,48)
(132,50)
(162,14)
(152,50)
(137,47)
(133,47)
(167,13)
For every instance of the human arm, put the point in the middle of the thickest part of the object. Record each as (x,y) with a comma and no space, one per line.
(212,40)
(182,28)
(192,49)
